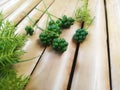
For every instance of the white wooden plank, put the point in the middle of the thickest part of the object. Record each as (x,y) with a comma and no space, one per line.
(113,12)
(9,7)
(2,2)
(34,15)
(24,9)
(91,72)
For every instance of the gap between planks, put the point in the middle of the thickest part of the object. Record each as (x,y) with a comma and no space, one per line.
(108,47)
(29,12)
(74,63)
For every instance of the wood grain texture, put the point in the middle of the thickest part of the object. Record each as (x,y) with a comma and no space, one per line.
(23,10)
(34,15)
(10,7)
(113,12)
(32,47)
(53,71)
(3,2)
(91,72)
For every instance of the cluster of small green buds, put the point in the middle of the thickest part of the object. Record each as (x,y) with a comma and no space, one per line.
(59,44)
(29,30)
(80,35)
(47,37)
(54,27)
(65,22)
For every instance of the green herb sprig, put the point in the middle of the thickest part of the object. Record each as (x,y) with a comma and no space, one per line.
(13,82)
(54,29)
(83,14)
(81,34)
(10,52)
(10,44)
(29,30)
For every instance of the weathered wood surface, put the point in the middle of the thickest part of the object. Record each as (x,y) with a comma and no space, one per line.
(113,11)
(2,2)
(91,72)
(97,59)
(10,7)
(23,10)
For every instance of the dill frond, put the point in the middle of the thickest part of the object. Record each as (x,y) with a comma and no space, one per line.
(13,82)
(1,19)
(83,14)
(6,71)
(10,44)
(10,52)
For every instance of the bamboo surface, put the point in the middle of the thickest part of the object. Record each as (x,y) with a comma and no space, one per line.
(97,61)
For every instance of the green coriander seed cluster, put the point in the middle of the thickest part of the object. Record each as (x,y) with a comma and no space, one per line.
(29,30)
(51,36)
(80,35)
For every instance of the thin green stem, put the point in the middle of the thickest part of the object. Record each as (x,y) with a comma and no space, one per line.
(47,10)
(47,22)
(36,24)
(74,10)
(40,27)
(47,13)
(53,32)
(90,23)
(86,3)
(28,59)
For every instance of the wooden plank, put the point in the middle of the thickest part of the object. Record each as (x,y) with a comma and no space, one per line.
(53,72)
(24,9)
(9,7)
(31,45)
(113,12)
(34,15)
(91,72)
(2,2)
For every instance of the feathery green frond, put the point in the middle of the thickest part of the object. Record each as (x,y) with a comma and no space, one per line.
(13,82)
(10,44)
(83,14)
(1,19)
(10,52)
(6,71)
